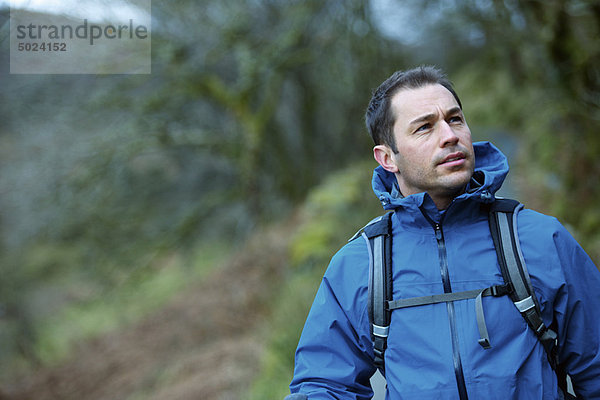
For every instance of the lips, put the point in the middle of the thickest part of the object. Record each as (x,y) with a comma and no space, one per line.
(453,158)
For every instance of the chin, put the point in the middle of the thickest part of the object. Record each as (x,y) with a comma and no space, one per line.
(457,185)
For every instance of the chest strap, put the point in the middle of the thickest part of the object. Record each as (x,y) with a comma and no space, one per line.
(496,291)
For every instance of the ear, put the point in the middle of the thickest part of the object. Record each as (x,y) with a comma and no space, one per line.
(385,157)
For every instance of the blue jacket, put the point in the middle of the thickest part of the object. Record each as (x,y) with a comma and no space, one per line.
(432,348)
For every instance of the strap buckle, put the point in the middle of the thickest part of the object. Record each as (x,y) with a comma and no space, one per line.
(501,290)
(525,304)
(381,331)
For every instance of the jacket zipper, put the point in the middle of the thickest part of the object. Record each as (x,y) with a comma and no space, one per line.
(458,369)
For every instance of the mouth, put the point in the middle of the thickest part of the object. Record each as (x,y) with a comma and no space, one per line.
(453,159)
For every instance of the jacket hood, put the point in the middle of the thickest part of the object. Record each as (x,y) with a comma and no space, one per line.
(491,168)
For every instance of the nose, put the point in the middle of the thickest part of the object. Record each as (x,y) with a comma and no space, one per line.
(447,135)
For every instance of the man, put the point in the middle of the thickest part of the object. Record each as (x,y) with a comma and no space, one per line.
(436,181)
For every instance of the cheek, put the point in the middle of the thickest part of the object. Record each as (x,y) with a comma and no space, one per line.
(414,158)
(466,135)
(412,165)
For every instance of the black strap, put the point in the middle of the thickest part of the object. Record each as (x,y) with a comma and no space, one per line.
(502,215)
(378,235)
(502,220)
(496,291)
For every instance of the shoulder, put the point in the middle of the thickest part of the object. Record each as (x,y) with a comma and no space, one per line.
(356,252)
(544,233)
(347,279)
(549,249)
(351,259)
(532,224)
(348,270)
(527,215)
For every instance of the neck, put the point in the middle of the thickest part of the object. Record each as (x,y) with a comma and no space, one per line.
(442,203)
(441,200)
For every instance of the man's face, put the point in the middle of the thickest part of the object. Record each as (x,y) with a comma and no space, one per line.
(435,152)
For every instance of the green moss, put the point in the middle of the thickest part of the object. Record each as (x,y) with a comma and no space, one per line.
(124,304)
(286,323)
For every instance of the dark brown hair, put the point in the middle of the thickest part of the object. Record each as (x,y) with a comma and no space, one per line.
(380,119)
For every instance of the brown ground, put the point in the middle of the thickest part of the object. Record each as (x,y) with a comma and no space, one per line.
(205,344)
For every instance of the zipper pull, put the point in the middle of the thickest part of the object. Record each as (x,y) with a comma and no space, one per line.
(438,232)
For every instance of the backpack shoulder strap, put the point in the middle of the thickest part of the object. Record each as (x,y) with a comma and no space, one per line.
(503,228)
(378,236)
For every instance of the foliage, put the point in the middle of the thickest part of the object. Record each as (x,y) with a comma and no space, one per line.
(229,131)
(333,211)
(69,306)
(271,105)
(136,297)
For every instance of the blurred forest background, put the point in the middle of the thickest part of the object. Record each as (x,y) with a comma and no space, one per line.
(162,235)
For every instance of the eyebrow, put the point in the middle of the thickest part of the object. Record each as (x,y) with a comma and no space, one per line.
(429,117)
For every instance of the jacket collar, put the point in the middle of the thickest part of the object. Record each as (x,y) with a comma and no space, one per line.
(491,168)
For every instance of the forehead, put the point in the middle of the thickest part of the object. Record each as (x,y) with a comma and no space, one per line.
(408,104)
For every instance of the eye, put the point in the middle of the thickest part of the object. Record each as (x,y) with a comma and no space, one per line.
(423,128)
(455,119)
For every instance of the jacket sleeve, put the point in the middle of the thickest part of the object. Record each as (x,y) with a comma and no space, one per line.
(334,355)
(577,311)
